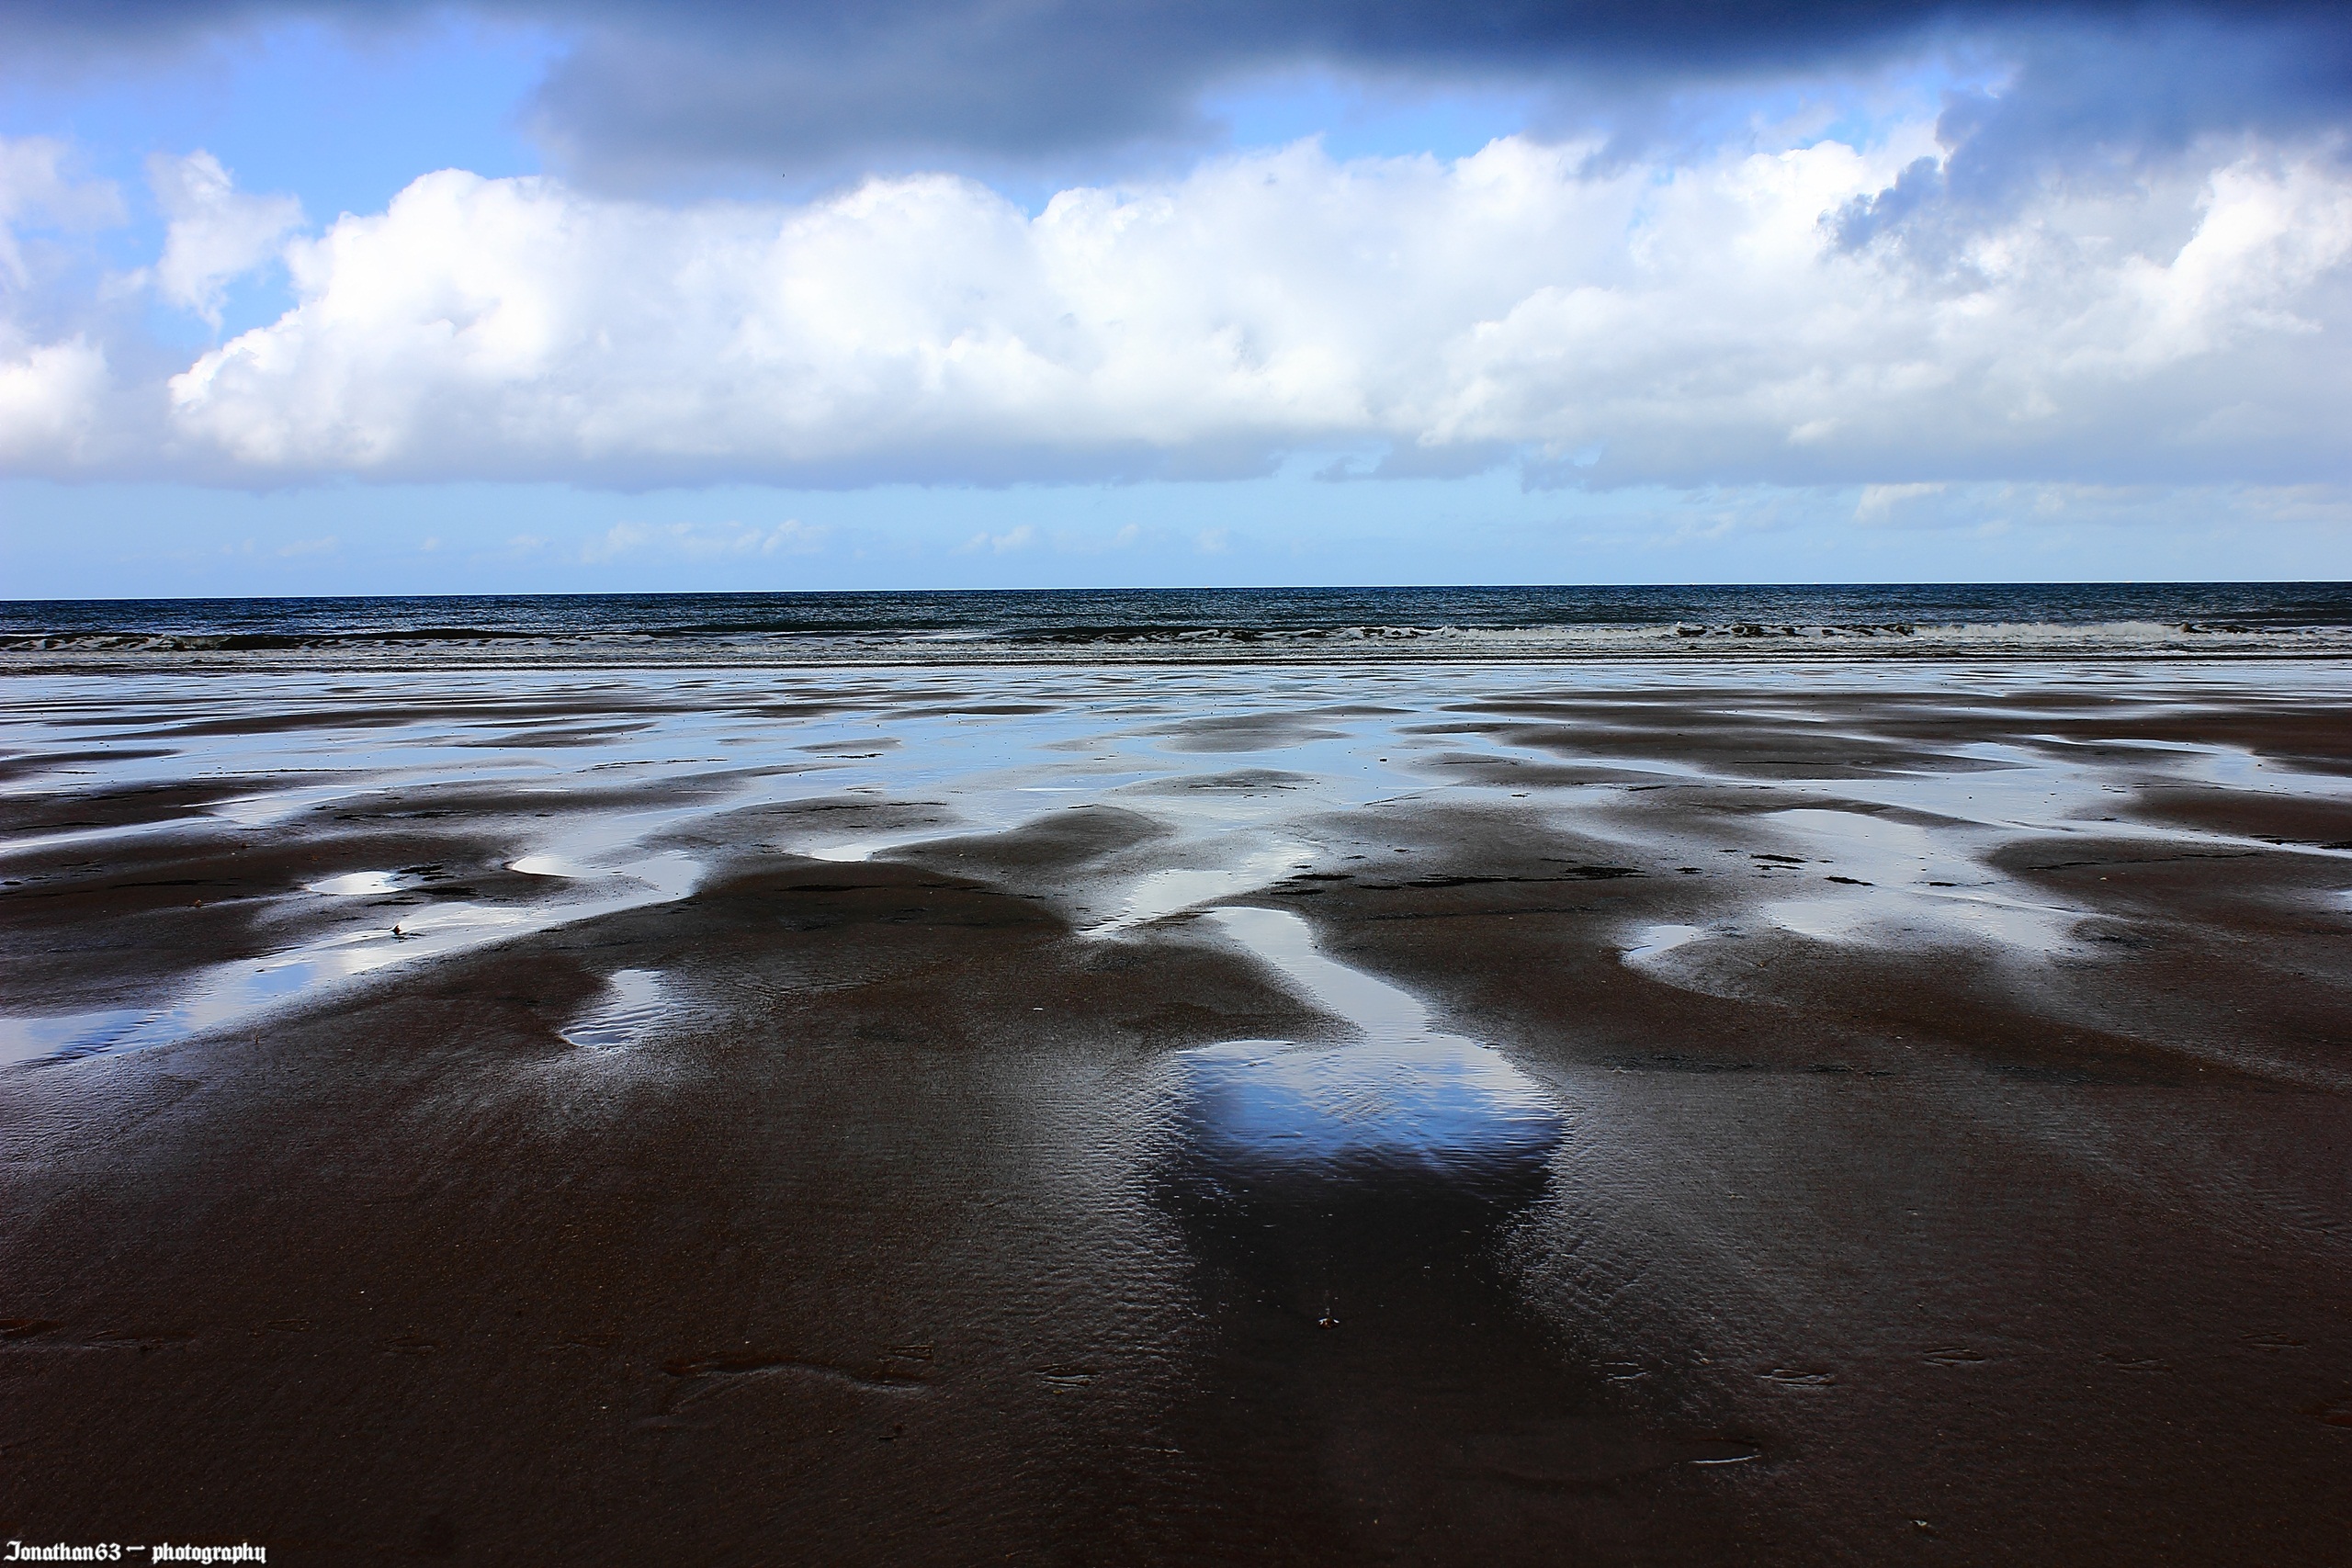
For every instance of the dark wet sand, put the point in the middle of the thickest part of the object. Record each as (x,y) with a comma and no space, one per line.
(891,1241)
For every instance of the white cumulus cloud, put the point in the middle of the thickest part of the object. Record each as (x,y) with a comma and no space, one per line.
(50,403)
(1683,323)
(53,380)
(216,232)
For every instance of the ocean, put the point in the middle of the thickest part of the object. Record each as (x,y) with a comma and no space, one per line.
(1225,625)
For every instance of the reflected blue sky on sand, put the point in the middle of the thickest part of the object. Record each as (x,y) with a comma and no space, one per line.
(1403,1096)
(632,1006)
(616,789)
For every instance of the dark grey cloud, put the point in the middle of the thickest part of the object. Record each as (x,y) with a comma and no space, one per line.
(2091,103)
(791,85)
(652,91)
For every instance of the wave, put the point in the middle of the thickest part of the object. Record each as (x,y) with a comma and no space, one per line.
(1177,642)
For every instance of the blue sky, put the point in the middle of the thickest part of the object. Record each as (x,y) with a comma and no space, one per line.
(537,298)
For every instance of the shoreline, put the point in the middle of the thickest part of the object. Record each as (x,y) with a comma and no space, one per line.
(1406,657)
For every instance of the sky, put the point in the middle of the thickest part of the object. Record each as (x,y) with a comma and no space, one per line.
(520,296)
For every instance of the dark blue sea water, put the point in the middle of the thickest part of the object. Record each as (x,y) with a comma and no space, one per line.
(1240,624)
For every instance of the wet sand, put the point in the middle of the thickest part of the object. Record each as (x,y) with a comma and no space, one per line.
(1840,1114)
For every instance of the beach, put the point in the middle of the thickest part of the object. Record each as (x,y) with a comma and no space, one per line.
(1373,1110)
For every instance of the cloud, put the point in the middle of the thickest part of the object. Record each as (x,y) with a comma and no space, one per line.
(2103,107)
(216,234)
(49,403)
(645,91)
(54,380)
(1879,503)
(699,542)
(1015,538)
(36,190)
(1669,323)
(920,83)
